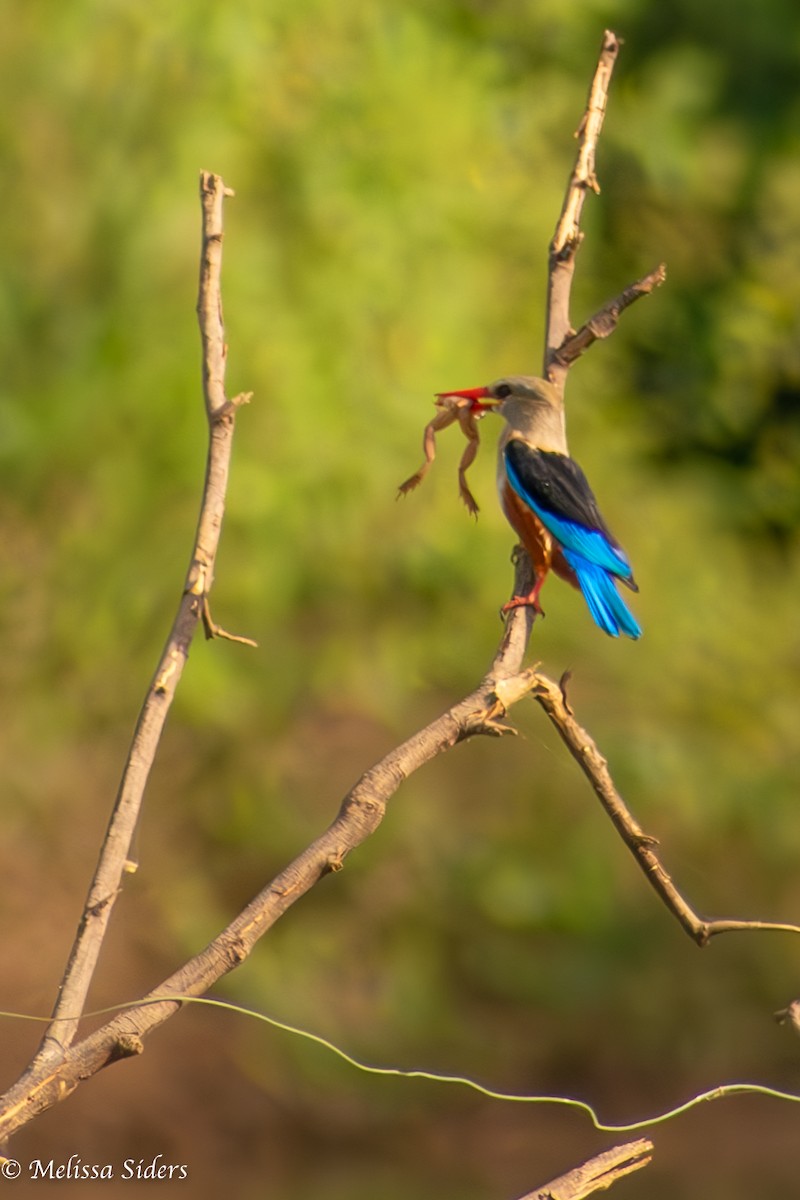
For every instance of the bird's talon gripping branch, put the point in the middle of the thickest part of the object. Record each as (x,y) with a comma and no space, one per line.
(522,602)
(529,601)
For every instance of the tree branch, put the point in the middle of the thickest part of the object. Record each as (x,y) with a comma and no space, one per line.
(552,698)
(567,237)
(113,862)
(45,1083)
(597,1174)
(63,1062)
(604,322)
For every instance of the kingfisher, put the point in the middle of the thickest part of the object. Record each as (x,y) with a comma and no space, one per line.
(548,502)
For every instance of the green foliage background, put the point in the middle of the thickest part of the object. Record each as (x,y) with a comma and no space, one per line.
(399,168)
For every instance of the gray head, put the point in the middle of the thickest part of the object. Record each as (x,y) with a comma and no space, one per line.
(516,396)
(532,407)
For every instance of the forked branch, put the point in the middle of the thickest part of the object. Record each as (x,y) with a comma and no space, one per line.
(604,322)
(562,345)
(114,860)
(567,237)
(64,1061)
(361,812)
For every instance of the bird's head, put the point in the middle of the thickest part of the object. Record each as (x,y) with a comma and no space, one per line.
(525,401)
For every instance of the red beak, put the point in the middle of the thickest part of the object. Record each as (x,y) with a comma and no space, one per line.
(468,393)
(474,394)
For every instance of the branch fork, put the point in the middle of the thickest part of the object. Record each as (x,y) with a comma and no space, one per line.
(63,1062)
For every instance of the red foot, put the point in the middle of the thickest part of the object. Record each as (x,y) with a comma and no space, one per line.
(529,601)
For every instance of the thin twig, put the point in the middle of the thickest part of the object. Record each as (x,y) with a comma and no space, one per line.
(583,749)
(604,322)
(114,861)
(597,1174)
(567,236)
(213,630)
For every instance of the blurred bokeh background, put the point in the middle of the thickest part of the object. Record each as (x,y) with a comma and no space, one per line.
(399,168)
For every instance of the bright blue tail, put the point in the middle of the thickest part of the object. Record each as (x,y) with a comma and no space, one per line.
(606,605)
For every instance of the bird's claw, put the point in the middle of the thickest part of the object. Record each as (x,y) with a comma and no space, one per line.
(523,602)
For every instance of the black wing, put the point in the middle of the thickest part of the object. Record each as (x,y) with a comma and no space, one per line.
(556,484)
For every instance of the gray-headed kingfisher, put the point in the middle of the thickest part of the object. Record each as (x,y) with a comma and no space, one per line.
(549,503)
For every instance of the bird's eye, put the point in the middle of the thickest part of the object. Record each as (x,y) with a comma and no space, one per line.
(503,391)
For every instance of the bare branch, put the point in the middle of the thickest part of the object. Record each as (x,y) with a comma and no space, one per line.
(790,1015)
(63,1062)
(597,1174)
(114,861)
(584,750)
(46,1083)
(213,630)
(604,322)
(567,236)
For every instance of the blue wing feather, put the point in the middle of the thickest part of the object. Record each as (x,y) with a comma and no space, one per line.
(605,604)
(591,544)
(594,558)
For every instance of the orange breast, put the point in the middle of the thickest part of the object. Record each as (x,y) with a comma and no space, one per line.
(544,552)
(529,529)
